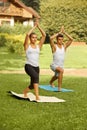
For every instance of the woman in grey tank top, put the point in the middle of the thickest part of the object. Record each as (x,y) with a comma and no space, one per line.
(32,55)
(58,51)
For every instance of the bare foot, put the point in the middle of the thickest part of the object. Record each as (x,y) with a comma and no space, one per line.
(37,98)
(52,85)
(59,89)
(25,95)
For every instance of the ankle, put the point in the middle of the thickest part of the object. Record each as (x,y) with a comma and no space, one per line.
(37,98)
(59,88)
(52,84)
(25,95)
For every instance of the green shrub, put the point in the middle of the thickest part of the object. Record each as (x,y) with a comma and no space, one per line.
(15,45)
(10,46)
(16,30)
(2,40)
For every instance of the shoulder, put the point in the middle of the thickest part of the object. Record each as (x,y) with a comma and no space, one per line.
(27,47)
(54,48)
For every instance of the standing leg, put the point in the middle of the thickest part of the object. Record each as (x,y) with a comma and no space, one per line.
(36,91)
(36,83)
(60,77)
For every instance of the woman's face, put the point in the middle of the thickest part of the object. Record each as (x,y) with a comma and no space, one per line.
(33,38)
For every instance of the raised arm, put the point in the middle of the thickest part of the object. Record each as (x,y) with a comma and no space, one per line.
(27,38)
(52,42)
(43,36)
(68,43)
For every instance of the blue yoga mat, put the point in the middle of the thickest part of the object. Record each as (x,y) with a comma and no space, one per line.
(54,89)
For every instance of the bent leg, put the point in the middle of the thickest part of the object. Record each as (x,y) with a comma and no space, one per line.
(52,80)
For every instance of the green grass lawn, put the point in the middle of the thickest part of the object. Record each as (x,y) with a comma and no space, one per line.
(24,115)
(75,58)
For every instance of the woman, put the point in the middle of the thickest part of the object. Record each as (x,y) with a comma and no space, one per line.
(32,54)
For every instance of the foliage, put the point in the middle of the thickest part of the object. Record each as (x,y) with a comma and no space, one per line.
(16,30)
(70,13)
(14,43)
(2,40)
(13,37)
(32,3)
(15,46)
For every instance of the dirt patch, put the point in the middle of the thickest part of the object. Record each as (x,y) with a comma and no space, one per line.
(78,43)
(67,72)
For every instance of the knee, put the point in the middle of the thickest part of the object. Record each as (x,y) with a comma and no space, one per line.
(36,79)
(60,70)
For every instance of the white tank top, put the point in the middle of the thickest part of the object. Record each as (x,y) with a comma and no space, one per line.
(58,56)
(32,55)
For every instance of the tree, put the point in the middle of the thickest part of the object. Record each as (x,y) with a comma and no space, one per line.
(70,13)
(32,3)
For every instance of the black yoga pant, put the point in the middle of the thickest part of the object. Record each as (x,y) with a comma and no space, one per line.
(33,72)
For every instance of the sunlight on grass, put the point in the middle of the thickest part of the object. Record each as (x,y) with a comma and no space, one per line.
(22,115)
(76,57)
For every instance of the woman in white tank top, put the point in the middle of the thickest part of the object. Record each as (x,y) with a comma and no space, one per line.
(32,51)
(58,51)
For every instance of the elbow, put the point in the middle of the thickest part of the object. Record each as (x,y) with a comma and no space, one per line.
(71,39)
(51,38)
(44,35)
